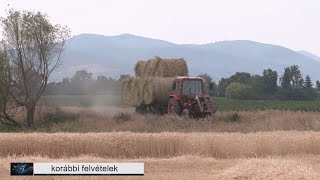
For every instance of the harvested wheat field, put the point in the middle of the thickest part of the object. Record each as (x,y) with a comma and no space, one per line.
(260,155)
(195,167)
(256,145)
(160,145)
(107,119)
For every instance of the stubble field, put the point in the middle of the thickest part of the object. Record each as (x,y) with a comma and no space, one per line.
(233,145)
(194,167)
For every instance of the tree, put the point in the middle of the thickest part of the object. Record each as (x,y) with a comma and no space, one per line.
(207,78)
(102,78)
(292,78)
(123,77)
(32,48)
(318,85)
(294,87)
(65,81)
(82,75)
(209,84)
(241,77)
(297,80)
(308,84)
(7,107)
(238,91)
(270,79)
(286,78)
(258,87)
(223,84)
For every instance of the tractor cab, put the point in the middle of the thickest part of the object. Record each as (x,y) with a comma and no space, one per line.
(188,86)
(189,98)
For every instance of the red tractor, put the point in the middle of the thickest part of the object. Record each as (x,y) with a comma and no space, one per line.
(189,98)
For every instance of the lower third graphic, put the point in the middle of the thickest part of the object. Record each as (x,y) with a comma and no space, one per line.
(21,169)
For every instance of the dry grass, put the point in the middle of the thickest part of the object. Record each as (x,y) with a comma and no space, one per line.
(193,167)
(101,119)
(243,145)
(105,119)
(160,145)
(271,168)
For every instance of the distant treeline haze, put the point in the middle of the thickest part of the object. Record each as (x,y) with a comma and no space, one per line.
(82,83)
(288,86)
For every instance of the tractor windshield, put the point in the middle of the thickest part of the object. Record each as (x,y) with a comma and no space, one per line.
(192,87)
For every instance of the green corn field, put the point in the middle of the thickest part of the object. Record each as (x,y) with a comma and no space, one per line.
(225,104)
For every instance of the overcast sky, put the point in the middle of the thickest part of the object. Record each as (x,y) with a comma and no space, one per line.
(291,23)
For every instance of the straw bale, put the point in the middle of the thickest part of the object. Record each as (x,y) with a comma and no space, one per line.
(152,90)
(159,67)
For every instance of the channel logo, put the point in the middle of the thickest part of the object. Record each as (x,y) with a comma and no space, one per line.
(21,169)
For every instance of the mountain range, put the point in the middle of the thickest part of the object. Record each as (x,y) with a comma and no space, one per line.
(115,55)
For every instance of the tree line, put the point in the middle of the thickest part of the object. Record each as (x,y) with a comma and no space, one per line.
(289,86)
(83,83)
(241,85)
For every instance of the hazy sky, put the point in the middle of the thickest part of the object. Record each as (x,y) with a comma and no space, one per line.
(291,23)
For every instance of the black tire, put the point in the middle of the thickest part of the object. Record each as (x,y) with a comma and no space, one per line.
(176,106)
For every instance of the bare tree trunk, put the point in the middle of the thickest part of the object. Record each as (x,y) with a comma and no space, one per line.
(30,115)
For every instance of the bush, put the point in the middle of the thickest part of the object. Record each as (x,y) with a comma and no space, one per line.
(296,94)
(60,116)
(122,117)
(238,91)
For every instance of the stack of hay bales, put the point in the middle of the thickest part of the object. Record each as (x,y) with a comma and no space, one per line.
(153,81)
(150,90)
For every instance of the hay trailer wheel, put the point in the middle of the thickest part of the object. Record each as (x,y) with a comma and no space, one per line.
(174,107)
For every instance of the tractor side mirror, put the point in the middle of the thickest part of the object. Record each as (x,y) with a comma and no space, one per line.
(211,86)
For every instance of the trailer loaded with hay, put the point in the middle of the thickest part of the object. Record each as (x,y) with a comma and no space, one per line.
(163,86)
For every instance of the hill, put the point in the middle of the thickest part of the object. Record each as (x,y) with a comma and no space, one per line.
(115,55)
(310,55)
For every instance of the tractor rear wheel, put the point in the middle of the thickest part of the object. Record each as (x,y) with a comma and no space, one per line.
(175,106)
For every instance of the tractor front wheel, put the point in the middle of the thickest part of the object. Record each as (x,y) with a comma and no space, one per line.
(174,107)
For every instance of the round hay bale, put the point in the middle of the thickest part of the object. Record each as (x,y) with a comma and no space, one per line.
(131,92)
(159,67)
(157,64)
(126,91)
(136,93)
(162,90)
(142,84)
(173,67)
(157,90)
(139,68)
(152,90)
(148,91)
